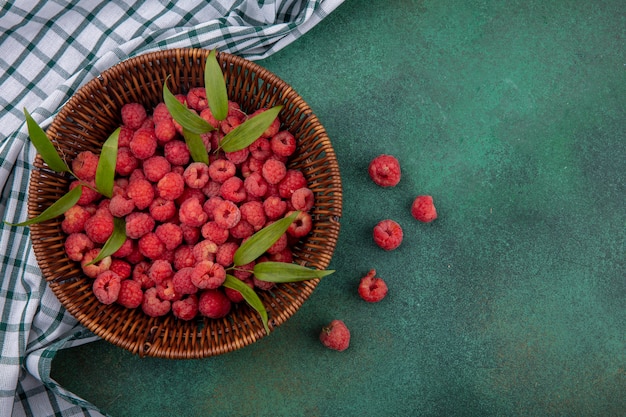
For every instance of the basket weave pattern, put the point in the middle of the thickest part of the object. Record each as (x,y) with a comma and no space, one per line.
(86,121)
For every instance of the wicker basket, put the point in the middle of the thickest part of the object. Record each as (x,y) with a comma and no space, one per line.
(86,121)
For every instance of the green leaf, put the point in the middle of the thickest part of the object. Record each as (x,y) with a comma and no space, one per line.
(196,146)
(262,240)
(250,296)
(286,272)
(105,173)
(114,242)
(184,116)
(215,87)
(56,209)
(249,131)
(43,145)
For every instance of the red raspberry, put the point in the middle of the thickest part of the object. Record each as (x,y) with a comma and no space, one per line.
(214,304)
(161,113)
(388,234)
(272,129)
(137,174)
(160,270)
(237,157)
(162,210)
(121,268)
(196,175)
(253,213)
(230,123)
(293,180)
(152,305)
(225,253)
(211,189)
(207,115)
(244,272)
(125,250)
(250,166)
(85,165)
(138,224)
(120,186)
(235,296)
(191,193)
(106,287)
(301,226)
(182,281)
(143,144)
(151,246)
(303,199)
(134,257)
(221,169)
(208,275)
(88,195)
(165,131)
(125,136)
(227,214)
(285,256)
(233,190)
(141,192)
(170,234)
(274,207)
(241,230)
(93,269)
(262,285)
(74,219)
(191,234)
(215,233)
(186,308)
(423,209)
(171,186)
(204,250)
(273,171)
(196,98)
(99,227)
(183,257)
(191,213)
(131,294)
(283,143)
(133,115)
(155,167)
(335,336)
(279,245)
(372,288)
(255,185)
(176,152)
(76,245)
(260,149)
(141,275)
(385,170)
(121,206)
(210,205)
(166,291)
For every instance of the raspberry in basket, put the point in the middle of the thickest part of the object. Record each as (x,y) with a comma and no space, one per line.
(226,214)
(133,115)
(99,227)
(225,253)
(335,336)
(214,304)
(160,270)
(106,287)
(253,213)
(302,199)
(274,207)
(171,186)
(176,152)
(255,185)
(74,219)
(283,143)
(260,149)
(301,226)
(385,170)
(183,257)
(191,213)
(77,245)
(143,144)
(121,268)
(138,224)
(208,275)
(273,171)
(233,189)
(131,294)
(85,164)
(185,308)
(294,179)
(388,234)
(214,232)
(196,175)
(221,169)
(372,288)
(155,167)
(141,191)
(120,206)
(152,305)
(423,209)
(162,210)
(126,162)
(165,131)
(182,281)
(170,234)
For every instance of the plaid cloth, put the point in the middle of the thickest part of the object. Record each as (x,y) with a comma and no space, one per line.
(48,49)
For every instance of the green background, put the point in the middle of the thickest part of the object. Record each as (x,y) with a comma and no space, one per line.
(512,115)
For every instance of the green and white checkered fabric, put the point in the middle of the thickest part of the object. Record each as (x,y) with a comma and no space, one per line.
(48,49)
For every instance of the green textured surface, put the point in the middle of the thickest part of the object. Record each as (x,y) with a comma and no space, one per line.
(512,114)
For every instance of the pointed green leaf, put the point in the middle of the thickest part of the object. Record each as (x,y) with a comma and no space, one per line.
(286,272)
(185,117)
(43,145)
(56,209)
(215,87)
(250,296)
(262,240)
(249,131)
(105,173)
(114,242)
(196,146)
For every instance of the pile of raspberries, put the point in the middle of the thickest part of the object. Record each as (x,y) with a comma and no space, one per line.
(184,219)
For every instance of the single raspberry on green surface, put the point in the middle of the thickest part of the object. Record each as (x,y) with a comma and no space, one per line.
(335,336)
(423,209)
(106,287)
(372,288)
(385,170)
(388,234)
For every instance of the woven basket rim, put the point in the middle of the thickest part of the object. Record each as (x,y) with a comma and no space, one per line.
(85,121)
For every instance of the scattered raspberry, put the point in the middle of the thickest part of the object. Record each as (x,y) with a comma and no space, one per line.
(191,213)
(99,227)
(423,209)
(283,143)
(155,167)
(85,165)
(208,275)
(215,233)
(227,214)
(152,305)
(196,175)
(372,288)
(274,207)
(171,186)
(214,304)
(131,294)
(141,191)
(182,281)
(293,180)
(385,170)
(303,199)
(388,234)
(225,253)
(143,144)
(186,308)
(93,269)
(301,226)
(138,224)
(76,245)
(253,213)
(233,189)
(335,336)
(74,219)
(222,169)
(106,287)
(273,171)
(170,234)
(162,210)
(121,206)
(133,115)
(176,152)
